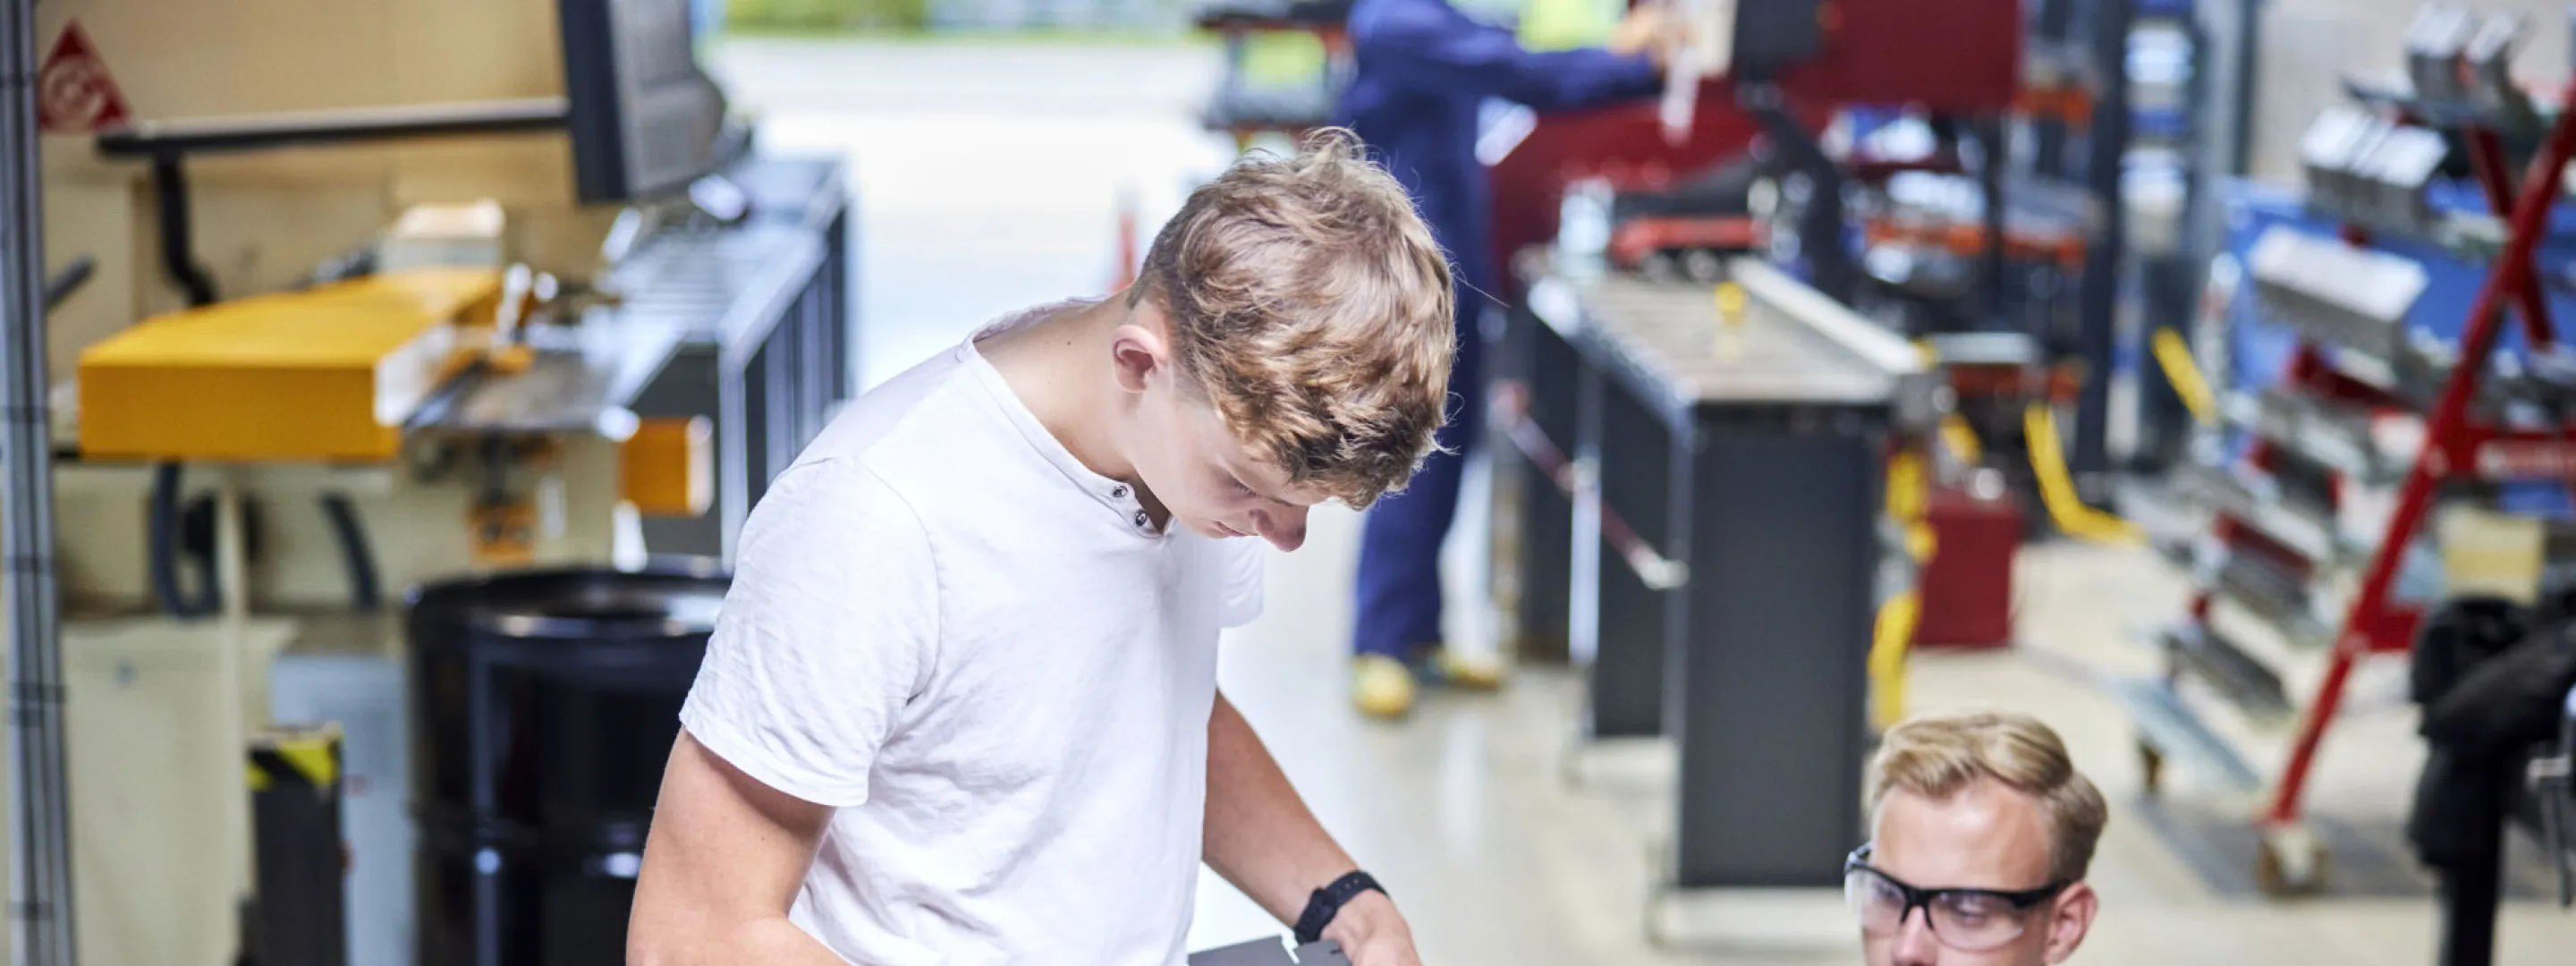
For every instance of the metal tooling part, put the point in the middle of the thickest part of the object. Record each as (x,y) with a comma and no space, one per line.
(2489,55)
(2433,45)
(2330,434)
(2270,594)
(1269,952)
(2400,171)
(728,288)
(2310,531)
(581,378)
(2326,151)
(1791,347)
(2355,189)
(2333,292)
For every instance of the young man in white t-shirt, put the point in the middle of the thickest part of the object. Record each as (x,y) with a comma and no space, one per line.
(961,705)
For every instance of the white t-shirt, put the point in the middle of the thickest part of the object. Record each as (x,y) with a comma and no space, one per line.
(991,663)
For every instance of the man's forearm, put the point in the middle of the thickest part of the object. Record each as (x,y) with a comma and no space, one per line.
(1260,835)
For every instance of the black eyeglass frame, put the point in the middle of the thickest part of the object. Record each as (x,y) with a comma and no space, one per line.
(1917,897)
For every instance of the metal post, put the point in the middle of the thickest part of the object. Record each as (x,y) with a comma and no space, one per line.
(2048,156)
(40,857)
(1993,154)
(2106,256)
(1830,267)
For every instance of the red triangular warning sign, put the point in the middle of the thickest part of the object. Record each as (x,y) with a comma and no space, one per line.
(74,94)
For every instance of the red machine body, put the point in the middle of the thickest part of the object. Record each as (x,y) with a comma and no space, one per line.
(1954,56)
(1967,586)
(1951,56)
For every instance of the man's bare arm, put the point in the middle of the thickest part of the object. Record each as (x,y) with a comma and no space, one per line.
(1261,837)
(721,867)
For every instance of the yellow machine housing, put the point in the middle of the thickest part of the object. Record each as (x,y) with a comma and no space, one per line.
(329,373)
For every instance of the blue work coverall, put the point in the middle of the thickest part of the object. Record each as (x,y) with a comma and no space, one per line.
(1423,71)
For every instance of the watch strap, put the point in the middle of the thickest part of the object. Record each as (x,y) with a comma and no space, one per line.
(1327,902)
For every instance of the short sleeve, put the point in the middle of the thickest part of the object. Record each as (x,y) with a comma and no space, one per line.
(1243,574)
(827,633)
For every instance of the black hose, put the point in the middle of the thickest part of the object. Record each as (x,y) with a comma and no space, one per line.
(365,593)
(69,280)
(163,550)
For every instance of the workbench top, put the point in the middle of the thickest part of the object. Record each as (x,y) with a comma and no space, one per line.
(727,289)
(1789,347)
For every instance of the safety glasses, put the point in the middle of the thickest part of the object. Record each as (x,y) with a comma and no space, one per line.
(1968,920)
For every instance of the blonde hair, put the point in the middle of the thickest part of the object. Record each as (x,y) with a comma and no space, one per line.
(1312,307)
(1937,756)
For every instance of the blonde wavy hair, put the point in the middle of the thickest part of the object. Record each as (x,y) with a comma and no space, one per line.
(1310,305)
(1937,756)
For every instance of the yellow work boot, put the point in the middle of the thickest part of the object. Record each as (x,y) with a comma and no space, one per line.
(1474,672)
(1382,687)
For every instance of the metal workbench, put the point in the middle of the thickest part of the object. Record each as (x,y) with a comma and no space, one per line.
(1726,544)
(813,193)
(748,325)
(756,352)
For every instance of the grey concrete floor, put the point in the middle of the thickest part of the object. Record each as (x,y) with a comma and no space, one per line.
(991,177)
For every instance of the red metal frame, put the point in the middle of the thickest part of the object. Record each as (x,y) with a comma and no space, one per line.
(2452,443)
(1636,239)
(1873,53)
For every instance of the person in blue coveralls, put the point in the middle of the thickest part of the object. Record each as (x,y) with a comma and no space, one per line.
(1423,72)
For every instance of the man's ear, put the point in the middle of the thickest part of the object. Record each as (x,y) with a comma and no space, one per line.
(2069,919)
(1135,352)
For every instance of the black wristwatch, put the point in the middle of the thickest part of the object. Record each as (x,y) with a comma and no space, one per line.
(1327,902)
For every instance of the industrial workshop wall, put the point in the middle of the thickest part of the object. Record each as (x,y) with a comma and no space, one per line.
(263,221)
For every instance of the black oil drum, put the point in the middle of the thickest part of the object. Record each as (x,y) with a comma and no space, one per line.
(543,706)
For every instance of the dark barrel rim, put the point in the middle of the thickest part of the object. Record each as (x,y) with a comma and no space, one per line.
(581,603)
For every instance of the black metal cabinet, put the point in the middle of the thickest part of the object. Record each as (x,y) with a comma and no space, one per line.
(1726,554)
(769,352)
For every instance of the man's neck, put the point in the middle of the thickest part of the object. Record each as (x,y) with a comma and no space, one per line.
(1058,366)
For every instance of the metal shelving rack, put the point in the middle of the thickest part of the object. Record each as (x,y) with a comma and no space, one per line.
(2103,29)
(2484,417)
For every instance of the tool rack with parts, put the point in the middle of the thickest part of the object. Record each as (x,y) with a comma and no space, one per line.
(2367,404)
